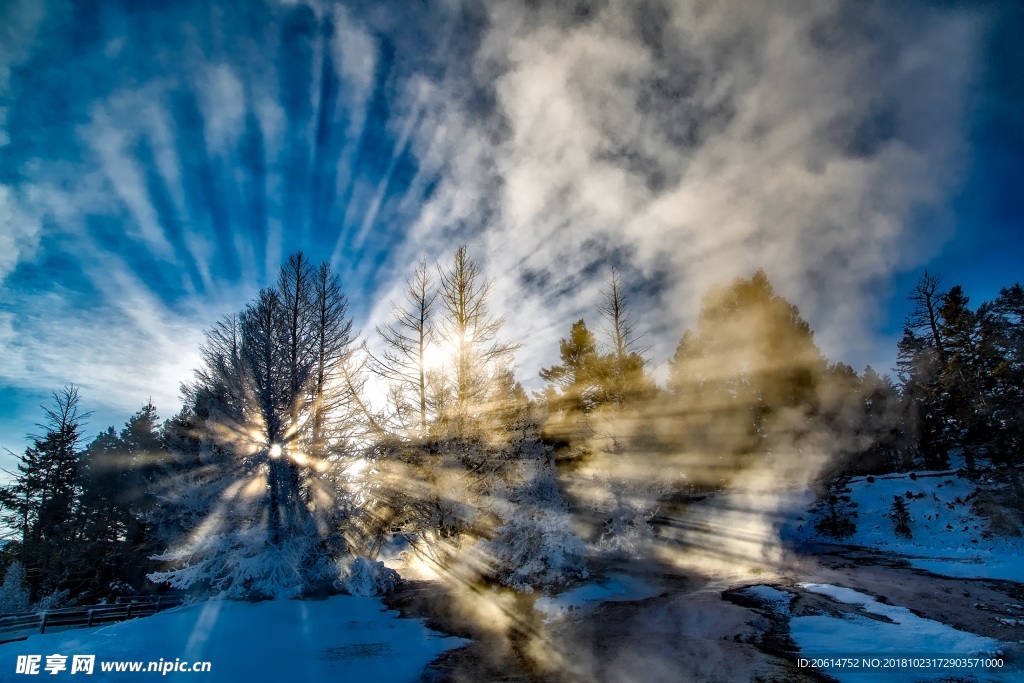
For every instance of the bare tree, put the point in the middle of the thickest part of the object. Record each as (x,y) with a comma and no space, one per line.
(618,323)
(627,355)
(265,362)
(468,327)
(333,346)
(403,362)
(278,396)
(925,316)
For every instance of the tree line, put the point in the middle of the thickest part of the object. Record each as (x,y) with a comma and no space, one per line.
(282,466)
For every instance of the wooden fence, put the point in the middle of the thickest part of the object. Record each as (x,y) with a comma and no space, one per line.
(21,626)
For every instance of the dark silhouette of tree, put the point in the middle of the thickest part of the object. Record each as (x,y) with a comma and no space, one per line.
(275,405)
(1006,388)
(117,476)
(921,363)
(41,501)
(835,509)
(900,516)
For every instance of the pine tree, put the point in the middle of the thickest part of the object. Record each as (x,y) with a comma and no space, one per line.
(102,512)
(835,508)
(144,452)
(13,592)
(577,386)
(921,363)
(900,516)
(40,503)
(881,423)
(582,376)
(1006,390)
(747,381)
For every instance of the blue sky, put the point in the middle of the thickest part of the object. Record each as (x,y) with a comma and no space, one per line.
(160,159)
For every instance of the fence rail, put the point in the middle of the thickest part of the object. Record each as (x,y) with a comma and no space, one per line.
(20,626)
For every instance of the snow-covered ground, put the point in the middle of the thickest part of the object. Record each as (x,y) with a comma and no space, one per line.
(342,638)
(897,633)
(948,538)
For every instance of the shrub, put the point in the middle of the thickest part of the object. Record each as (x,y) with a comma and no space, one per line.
(368,578)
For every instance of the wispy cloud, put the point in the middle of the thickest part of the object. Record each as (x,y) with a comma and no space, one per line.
(166,191)
(19,224)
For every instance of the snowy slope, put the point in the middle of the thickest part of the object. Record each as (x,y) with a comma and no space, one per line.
(948,538)
(341,638)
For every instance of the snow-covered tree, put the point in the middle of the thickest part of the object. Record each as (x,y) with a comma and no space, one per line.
(14,592)
(366,578)
(535,545)
(268,427)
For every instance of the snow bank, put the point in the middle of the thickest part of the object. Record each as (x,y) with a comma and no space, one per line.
(586,598)
(343,638)
(773,598)
(367,578)
(901,633)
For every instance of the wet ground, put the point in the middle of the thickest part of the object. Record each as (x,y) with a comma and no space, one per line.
(699,628)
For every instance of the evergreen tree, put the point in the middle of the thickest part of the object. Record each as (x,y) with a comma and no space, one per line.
(747,380)
(41,501)
(921,363)
(13,592)
(144,452)
(900,516)
(103,512)
(861,415)
(881,423)
(576,387)
(1006,388)
(835,508)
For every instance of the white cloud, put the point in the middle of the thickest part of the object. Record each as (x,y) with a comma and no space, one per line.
(223,103)
(126,347)
(19,229)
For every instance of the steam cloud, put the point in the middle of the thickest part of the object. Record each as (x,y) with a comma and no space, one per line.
(692,142)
